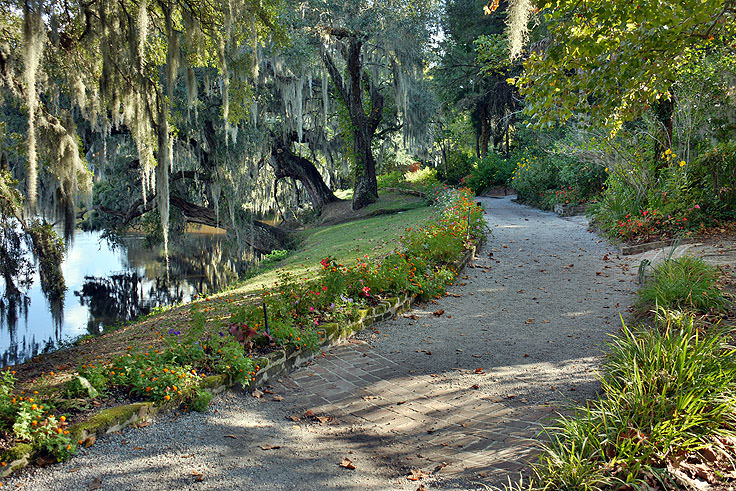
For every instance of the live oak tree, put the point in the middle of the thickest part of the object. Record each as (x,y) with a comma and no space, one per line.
(373,54)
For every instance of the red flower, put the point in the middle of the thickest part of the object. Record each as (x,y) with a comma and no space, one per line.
(325,262)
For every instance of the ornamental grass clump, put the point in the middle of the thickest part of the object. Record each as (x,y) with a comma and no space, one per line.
(668,407)
(685,283)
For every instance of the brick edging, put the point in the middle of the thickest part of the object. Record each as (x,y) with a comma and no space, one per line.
(273,364)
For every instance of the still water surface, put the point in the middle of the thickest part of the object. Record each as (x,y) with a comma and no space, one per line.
(107,285)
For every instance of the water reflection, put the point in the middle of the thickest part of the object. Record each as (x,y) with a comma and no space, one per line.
(108,285)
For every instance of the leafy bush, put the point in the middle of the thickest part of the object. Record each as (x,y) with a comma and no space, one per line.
(457,166)
(491,170)
(668,392)
(545,180)
(683,283)
(393,179)
(713,175)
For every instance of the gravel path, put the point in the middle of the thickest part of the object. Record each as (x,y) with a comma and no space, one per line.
(454,399)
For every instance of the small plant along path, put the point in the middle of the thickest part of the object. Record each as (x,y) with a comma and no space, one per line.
(448,396)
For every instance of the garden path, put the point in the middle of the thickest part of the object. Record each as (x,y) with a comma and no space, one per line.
(453,398)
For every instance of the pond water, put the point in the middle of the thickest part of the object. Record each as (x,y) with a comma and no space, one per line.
(107,285)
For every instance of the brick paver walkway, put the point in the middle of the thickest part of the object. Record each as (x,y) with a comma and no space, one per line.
(403,415)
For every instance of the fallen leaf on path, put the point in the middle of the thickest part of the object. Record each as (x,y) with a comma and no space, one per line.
(477,356)
(438,312)
(231,436)
(89,441)
(142,424)
(347,463)
(278,398)
(137,448)
(475,386)
(268,391)
(294,418)
(440,466)
(461,284)
(96,484)
(370,397)
(478,370)
(198,476)
(257,394)
(456,295)
(324,419)
(421,488)
(411,316)
(529,321)
(270,447)
(417,474)
(309,413)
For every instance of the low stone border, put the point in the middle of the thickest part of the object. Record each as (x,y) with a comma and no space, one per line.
(272,365)
(629,249)
(570,210)
(413,192)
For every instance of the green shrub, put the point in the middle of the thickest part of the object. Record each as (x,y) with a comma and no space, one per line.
(393,179)
(713,176)
(668,392)
(491,170)
(457,166)
(202,401)
(683,283)
(545,180)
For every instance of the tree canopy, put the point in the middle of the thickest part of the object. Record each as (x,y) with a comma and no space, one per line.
(612,60)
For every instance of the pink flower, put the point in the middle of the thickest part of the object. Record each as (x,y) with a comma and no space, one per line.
(311,309)
(697,207)
(366,290)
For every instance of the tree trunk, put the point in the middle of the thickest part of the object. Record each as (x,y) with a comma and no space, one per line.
(664,112)
(364,126)
(485,131)
(287,164)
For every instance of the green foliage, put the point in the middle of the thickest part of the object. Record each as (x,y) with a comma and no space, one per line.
(713,181)
(645,201)
(393,179)
(32,420)
(492,170)
(622,60)
(684,283)
(458,166)
(275,256)
(667,393)
(202,401)
(545,180)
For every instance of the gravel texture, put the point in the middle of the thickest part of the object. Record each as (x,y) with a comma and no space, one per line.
(533,310)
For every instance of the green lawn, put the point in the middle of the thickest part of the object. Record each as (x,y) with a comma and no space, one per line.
(374,236)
